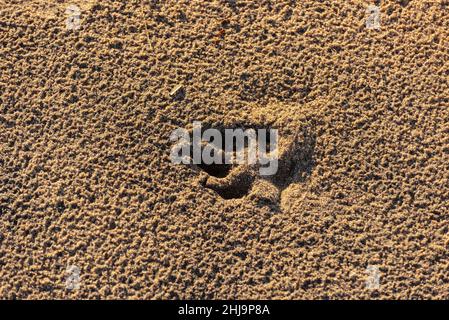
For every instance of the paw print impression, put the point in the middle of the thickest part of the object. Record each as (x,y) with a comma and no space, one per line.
(294,151)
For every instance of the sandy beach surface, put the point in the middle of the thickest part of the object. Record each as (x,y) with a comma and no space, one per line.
(91,205)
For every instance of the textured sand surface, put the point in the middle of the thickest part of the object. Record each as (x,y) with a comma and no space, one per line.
(86,177)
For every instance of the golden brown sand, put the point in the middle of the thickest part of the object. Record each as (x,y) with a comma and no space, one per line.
(86,177)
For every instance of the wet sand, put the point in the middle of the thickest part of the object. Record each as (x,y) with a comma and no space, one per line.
(86,178)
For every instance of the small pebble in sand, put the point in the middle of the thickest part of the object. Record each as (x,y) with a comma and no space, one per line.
(176,90)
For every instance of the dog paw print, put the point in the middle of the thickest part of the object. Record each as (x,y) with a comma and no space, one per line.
(295,160)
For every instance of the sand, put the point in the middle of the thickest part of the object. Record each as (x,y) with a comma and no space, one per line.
(86,178)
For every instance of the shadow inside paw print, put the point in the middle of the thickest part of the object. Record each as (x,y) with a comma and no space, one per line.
(225,189)
(216,170)
(229,181)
